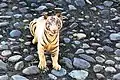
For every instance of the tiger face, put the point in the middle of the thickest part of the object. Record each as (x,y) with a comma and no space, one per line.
(53,24)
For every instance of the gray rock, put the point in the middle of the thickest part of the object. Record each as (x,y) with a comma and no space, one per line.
(114,36)
(14,58)
(31,70)
(5,17)
(23,10)
(52,76)
(116,76)
(100,7)
(27,43)
(115,18)
(59,73)
(90,51)
(18,77)
(71,7)
(108,3)
(28,16)
(18,16)
(15,47)
(29,58)
(117,66)
(117,52)
(69,1)
(25,50)
(117,45)
(66,40)
(100,59)
(110,62)
(98,68)
(85,46)
(104,13)
(40,8)
(19,65)
(80,3)
(6,53)
(50,5)
(80,35)
(76,42)
(4,77)
(100,76)
(2,5)
(1,36)
(73,25)
(107,48)
(23,3)
(79,51)
(2,24)
(79,74)
(85,24)
(88,58)
(3,65)
(67,62)
(15,33)
(110,69)
(80,63)
(3,47)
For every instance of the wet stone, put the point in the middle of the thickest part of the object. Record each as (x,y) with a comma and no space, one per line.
(14,58)
(29,58)
(3,47)
(79,74)
(18,77)
(85,46)
(40,8)
(117,52)
(59,73)
(88,58)
(80,35)
(110,62)
(80,3)
(98,68)
(18,16)
(19,65)
(31,70)
(100,59)
(52,76)
(3,65)
(114,36)
(116,76)
(15,33)
(71,7)
(100,76)
(79,51)
(67,62)
(6,53)
(110,69)
(90,51)
(66,40)
(108,3)
(4,77)
(3,5)
(107,48)
(2,24)
(80,63)
(117,45)
(104,13)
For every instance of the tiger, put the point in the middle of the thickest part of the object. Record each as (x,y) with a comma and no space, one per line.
(45,30)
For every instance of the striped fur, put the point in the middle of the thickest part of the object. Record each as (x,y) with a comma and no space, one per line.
(46,35)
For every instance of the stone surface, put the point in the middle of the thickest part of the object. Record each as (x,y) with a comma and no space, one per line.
(14,58)
(79,51)
(3,65)
(15,33)
(19,65)
(79,74)
(31,70)
(116,76)
(110,69)
(80,63)
(4,77)
(6,53)
(52,76)
(80,3)
(18,77)
(98,68)
(114,36)
(59,73)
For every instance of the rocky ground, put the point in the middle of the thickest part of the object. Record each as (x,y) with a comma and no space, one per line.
(89,40)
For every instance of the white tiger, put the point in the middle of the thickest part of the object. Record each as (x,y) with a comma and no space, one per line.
(45,30)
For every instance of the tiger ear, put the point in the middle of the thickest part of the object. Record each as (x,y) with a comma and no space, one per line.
(58,14)
(45,16)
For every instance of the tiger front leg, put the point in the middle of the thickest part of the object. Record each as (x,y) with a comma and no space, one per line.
(54,56)
(42,63)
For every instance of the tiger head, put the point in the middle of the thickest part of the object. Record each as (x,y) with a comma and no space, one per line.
(53,23)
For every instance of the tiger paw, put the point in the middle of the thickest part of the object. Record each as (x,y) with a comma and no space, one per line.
(57,67)
(42,66)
